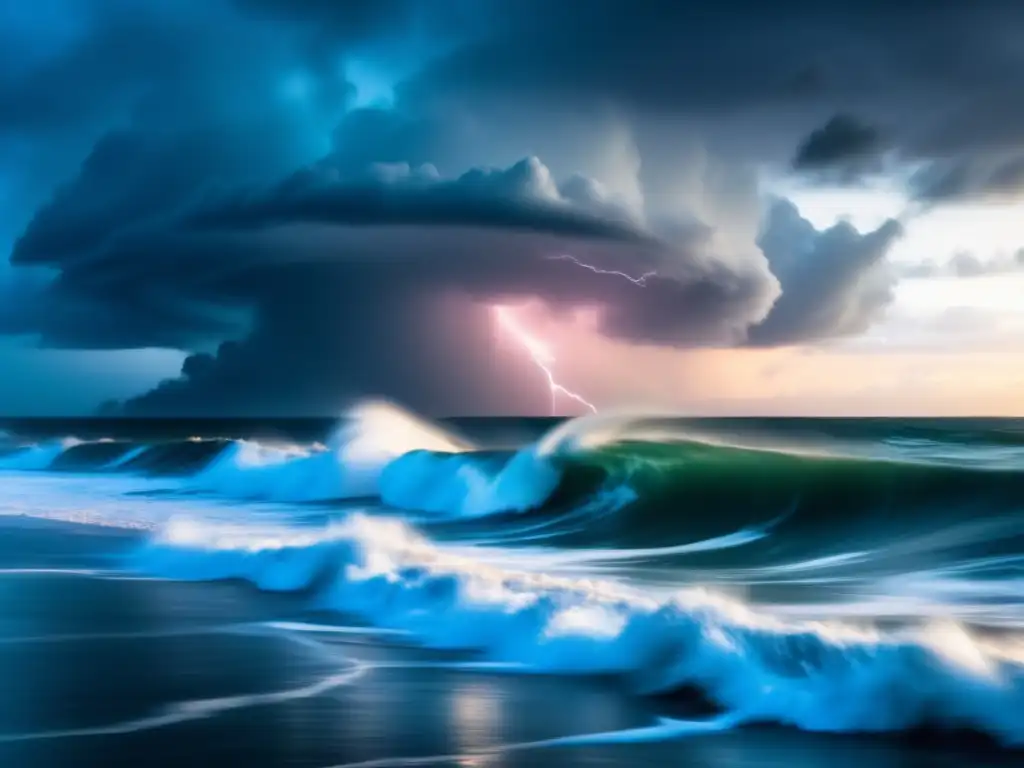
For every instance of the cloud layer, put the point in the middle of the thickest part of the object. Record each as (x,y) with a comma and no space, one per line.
(198,176)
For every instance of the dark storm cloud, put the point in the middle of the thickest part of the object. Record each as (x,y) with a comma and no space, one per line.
(128,178)
(970,179)
(155,75)
(229,196)
(624,51)
(835,282)
(500,233)
(361,20)
(753,79)
(353,19)
(843,149)
(329,271)
(133,63)
(336,271)
(670,56)
(523,197)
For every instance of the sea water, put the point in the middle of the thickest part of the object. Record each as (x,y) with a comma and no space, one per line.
(391,591)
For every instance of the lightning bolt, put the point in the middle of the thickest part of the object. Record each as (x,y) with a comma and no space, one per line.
(641,281)
(541,355)
(539,352)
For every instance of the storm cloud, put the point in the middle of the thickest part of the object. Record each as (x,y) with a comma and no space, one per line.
(204,179)
(970,179)
(346,283)
(843,149)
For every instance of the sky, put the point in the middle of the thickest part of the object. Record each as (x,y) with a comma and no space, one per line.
(473,207)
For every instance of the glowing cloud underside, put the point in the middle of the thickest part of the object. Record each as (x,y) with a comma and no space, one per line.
(541,355)
(538,350)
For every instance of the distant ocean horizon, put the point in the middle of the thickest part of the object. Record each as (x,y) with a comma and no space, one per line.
(129,425)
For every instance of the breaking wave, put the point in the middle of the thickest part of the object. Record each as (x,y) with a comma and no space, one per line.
(566,555)
(814,676)
(378,450)
(37,457)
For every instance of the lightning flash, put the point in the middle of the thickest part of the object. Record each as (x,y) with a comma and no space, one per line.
(641,281)
(541,355)
(538,350)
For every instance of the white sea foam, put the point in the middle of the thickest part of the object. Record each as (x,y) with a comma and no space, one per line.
(380,450)
(464,485)
(412,465)
(814,676)
(371,436)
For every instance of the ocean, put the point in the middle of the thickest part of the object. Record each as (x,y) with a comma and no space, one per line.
(615,590)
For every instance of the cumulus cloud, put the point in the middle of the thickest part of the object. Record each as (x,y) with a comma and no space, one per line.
(835,282)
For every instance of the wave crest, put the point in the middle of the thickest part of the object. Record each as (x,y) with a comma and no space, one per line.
(813,676)
(382,451)
(37,457)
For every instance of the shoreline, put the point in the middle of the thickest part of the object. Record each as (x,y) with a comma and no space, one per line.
(120,613)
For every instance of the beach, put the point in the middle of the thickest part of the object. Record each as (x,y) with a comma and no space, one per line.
(104,669)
